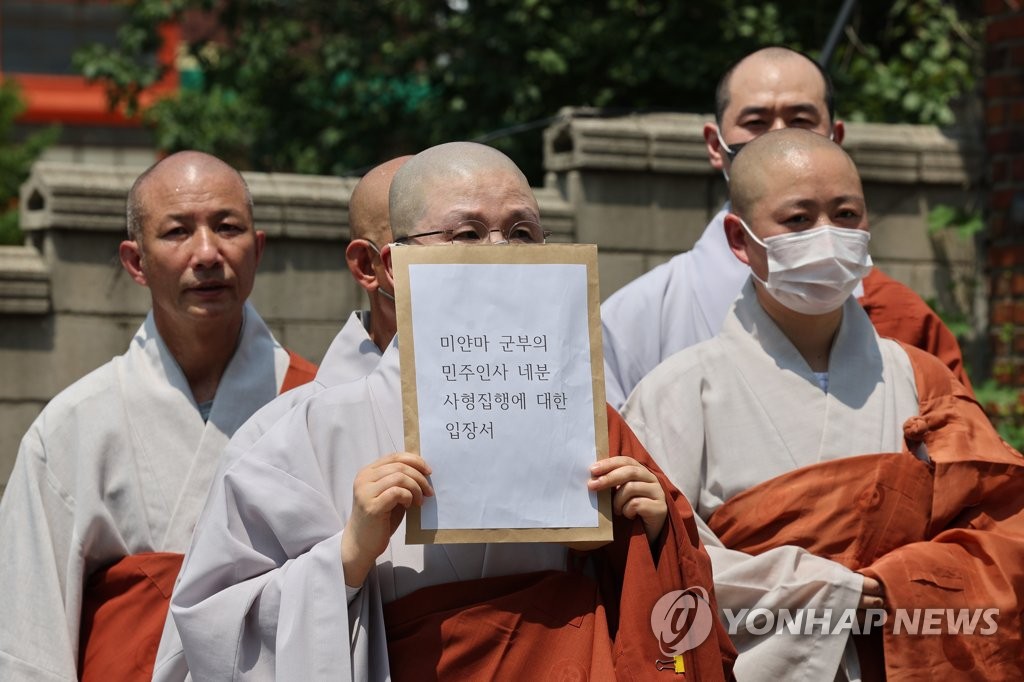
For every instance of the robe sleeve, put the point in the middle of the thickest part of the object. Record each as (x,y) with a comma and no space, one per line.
(782,578)
(897,312)
(631,335)
(40,575)
(974,552)
(641,577)
(262,593)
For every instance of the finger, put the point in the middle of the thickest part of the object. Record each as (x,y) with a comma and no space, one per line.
(379,493)
(396,497)
(635,497)
(384,471)
(872,587)
(603,466)
(621,476)
(408,458)
(869,602)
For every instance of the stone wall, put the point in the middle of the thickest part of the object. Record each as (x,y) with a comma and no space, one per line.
(639,187)
(643,190)
(66,305)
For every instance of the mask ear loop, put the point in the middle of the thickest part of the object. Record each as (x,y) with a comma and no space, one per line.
(751,234)
(728,152)
(380,289)
(725,147)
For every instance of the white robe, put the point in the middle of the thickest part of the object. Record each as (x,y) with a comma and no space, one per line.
(118,463)
(674,306)
(264,571)
(745,407)
(351,355)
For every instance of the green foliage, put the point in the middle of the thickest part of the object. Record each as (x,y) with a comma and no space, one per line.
(321,87)
(927,55)
(1005,407)
(131,67)
(15,160)
(966,222)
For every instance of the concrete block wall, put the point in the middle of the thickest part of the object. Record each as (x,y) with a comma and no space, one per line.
(67,306)
(643,191)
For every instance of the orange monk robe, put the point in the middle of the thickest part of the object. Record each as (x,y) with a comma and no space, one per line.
(565,625)
(898,313)
(947,534)
(124,605)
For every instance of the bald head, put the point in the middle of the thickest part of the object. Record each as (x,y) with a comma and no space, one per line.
(767,61)
(457,180)
(187,166)
(779,158)
(368,207)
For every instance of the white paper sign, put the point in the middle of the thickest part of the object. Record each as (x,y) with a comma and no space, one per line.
(504,394)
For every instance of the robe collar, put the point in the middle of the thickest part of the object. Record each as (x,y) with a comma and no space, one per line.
(175,450)
(352,354)
(788,391)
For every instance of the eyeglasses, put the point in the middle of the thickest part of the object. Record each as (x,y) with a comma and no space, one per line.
(475,232)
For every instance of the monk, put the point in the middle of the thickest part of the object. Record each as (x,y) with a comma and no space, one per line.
(110,479)
(353,353)
(300,560)
(837,475)
(685,301)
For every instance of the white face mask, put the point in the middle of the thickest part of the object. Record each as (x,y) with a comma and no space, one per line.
(814,271)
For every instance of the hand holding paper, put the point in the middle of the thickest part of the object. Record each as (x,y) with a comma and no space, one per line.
(637,491)
(381,493)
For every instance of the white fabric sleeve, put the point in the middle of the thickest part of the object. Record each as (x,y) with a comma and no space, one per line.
(626,334)
(262,594)
(351,592)
(784,578)
(40,580)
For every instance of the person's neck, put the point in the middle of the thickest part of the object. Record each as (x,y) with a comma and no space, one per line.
(202,349)
(382,321)
(812,335)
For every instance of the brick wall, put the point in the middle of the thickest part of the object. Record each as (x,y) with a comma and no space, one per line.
(1004,143)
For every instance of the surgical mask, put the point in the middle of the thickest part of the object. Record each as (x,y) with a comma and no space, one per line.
(814,271)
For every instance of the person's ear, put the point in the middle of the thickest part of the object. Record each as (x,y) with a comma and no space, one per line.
(838,132)
(737,237)
(385,259)
(715,152)
(359,256)
(261,244)
(131,260)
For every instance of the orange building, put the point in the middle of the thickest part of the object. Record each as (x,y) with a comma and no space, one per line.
(37,41)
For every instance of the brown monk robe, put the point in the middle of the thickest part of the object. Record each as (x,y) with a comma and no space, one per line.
(898,313)
(564,625)
(125,604)
(943,534)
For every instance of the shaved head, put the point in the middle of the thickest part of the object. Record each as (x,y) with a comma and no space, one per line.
(751,67)
(425,181)
(770,158)
(368,207)
(187,164)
